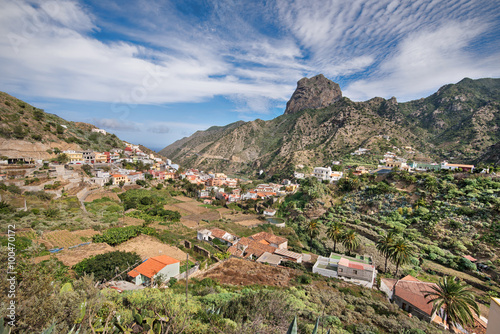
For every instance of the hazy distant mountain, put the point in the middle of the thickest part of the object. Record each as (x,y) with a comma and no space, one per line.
(459,121)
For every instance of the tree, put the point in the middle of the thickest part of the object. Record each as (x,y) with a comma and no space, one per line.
(62,158)
(106,266)
(312,228)
(456,299)
(401,251)
(334,233)
(350,240)
(384,246)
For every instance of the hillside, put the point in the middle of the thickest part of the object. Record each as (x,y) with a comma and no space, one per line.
(459,122)
(27,131)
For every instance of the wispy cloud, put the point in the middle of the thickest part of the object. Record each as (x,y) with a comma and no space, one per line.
(155,52)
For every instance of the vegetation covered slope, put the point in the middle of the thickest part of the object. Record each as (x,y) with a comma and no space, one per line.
(459,121)
(29,131)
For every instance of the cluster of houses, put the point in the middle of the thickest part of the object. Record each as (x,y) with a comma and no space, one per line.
(262,247)
(131,153)
(220,186)
(389,162)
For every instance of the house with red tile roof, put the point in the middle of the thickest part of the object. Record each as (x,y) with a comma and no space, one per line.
(217,233)
(270,239)
(409,294)
(152,268)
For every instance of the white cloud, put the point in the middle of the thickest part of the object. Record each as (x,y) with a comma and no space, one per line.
(427,60)
(51,49)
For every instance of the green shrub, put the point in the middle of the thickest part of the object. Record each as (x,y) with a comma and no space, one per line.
(304,279)
(106,266)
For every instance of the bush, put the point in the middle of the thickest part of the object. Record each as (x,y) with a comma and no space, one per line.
(465,264)
(116,235)
(106,266)
(304,279)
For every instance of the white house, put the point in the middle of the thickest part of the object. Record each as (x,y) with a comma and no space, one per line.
(326,174)
(269,212)
(204,235)
(152,268)
(99,131)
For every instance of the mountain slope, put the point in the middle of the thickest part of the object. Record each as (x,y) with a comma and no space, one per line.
(460,121)
(27,131)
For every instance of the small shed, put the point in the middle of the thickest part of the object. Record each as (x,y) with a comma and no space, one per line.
(470,258)
(272,259)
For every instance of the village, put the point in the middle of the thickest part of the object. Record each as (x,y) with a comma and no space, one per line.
(115,169)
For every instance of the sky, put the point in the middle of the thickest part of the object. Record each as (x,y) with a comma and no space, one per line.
(153,72)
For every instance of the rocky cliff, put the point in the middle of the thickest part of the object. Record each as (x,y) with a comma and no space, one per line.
(316,92)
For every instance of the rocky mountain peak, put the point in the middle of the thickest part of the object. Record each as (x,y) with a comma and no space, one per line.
(316,92)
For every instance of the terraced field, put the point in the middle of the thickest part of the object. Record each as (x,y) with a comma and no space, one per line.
(65,238)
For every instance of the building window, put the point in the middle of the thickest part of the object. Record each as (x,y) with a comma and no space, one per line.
(355,272)
(340,270)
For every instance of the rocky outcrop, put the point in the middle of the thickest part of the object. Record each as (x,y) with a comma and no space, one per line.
(314,93)
(333,126)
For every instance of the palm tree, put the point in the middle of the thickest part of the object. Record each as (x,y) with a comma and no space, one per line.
(384,246)
(456,299)
(334,233)
(312,228)
(401,251)
(350,240)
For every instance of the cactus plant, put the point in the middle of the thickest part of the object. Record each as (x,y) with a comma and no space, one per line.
(315,330)
(293,327)
(3,329)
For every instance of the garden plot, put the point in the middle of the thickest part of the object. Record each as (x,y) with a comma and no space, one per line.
(65,238)
(144,245)
(147,246)
(70,257)
(110,194)
(192,212)
(246,220)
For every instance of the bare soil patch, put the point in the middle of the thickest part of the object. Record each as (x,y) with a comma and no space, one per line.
(172,207)
(192,207)
(250,222)
(131,221)
(70,257)
(99,195)
(192,212)
(246,220)
(183,198)
(147,246)
(144,245)
(243,272)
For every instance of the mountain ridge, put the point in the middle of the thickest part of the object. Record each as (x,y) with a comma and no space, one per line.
(27,131)
(458,121)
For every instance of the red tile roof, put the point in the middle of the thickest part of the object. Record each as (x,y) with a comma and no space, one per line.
(152,266)
(413,291)
(271,238)
(389,282)
(356,266)
(470,258)
(218,233)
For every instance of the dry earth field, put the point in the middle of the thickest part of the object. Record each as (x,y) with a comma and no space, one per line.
(243,272)
(144,245)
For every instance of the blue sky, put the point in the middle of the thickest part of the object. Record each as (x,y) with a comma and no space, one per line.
(155,71)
